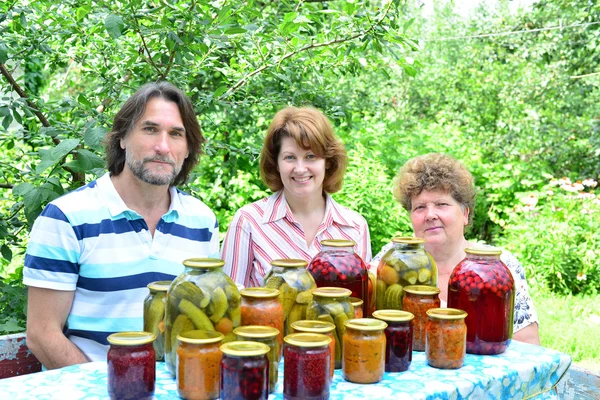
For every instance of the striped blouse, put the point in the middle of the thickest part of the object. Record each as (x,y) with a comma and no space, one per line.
(266,230)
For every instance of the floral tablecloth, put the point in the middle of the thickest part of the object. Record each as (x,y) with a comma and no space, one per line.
(522,372)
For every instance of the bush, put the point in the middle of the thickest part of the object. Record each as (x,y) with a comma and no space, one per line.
(13,304)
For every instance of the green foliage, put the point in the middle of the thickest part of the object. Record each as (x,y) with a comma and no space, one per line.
(13,304)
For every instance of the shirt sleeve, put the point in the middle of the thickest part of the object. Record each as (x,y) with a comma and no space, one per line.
(365,245)
(237,251)
(525,313)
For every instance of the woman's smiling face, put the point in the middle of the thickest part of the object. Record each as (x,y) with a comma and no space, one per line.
(302,172)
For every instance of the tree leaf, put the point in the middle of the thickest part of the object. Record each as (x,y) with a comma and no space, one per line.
(53,156)
(92,137)
(22,188)
(11,326)
(114,25)
(6,252)
(86,161)
(3,53)
(235,31)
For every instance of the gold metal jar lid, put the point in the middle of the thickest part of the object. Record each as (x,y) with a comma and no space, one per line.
(408,240)
(131,338)
(203,263)
(256,331)
(484,251)
(356,302)
(245,349)
(306,339)
(159,286)
(393,315)
(331,292)
(200,337)
(259,292)
(337,243)
(446,313)
(313,326)
(366,324)
(422,290)
(289,263)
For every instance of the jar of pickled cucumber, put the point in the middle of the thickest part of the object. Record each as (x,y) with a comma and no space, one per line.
(364,342)
(245,371)
(417,300)
(357,304)
(267,335)
(261,306)
(154,315)
(445,338)
(399,336)
(201,298)
(405,263)
(294,283)
(198,364)
(324,328)
(306,365)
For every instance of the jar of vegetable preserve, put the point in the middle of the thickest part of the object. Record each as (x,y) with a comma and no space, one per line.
(338,265)
(294,283)
(357,304)
(417,300)
(406,263)
(307,363)
(267,335)
(324,328)
(131,365)
(483,286)
(245,371)
(398,335)
(332,304)
(201,298)
(445,339)
(198,364)
(154,315)
(261,306)
(364,343)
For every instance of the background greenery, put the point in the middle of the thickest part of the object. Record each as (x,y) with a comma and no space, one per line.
(513,94)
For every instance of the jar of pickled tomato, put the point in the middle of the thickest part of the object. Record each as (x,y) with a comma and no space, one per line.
(307,362)
(198,364)
(417,300)
(324,328)
(267,335)
(357,304)
(445,339)
(364,343)
(398,335)
(244,371)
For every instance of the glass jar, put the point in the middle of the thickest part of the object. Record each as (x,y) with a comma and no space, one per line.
(483,286)
(261,306)
(307,363)
(198,364)
(399,336)
(406,263)
(131,365)
(267,335)
(245,371)
(417,300)
(154,315)
(332,304)
(357,304)
(201,298)
(372,294)
(445,338)
(324,328)
(295,284)
(337,265)
(364,343)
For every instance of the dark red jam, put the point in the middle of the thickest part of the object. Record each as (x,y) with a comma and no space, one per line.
(244,377)
(399,339)
(307,374)
(131,371)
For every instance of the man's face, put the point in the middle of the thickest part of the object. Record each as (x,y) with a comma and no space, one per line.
(156,147)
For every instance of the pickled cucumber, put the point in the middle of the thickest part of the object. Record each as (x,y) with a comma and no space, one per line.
(424,275)
(339,324)
(189,291)
(219,300)
(411,277)
(380,293)
(235,315)
(304,297)
(305,282)
(182,324)
(200,320)
(334,308)
(393,297)
(156,313)
(295,315)
(312,312)
(338,351)
(326,318)
(398,264)
(274,282)
(287,297)
(233,295)
(230,337)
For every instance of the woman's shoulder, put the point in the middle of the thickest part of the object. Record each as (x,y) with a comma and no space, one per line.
(347,213)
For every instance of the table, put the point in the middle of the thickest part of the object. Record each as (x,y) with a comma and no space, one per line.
(523,372)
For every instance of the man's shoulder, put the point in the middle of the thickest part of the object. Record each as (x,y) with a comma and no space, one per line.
(193,206)
(79,198)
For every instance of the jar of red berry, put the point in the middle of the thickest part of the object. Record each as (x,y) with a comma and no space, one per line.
(338,265)
(417,300)
(325,328)
(131,365)
(399,336)
(267,335)
(307,363)
(244,371)
(483,286)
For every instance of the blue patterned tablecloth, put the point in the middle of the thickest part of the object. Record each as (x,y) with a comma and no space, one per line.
(522,372)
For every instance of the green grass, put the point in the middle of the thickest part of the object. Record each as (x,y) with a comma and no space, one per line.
(570,324)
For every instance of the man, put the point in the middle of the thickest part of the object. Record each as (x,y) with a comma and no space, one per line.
(93,251)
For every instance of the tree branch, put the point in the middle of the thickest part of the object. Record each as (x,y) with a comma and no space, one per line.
(585,76)
(6,186)
(139,31)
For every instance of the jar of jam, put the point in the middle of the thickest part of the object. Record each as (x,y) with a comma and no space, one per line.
(131,365)
(245,371)
(357,304)
(201,298)
(154,315)
(483,286)
(307,363)
(338,265)
(198,364)
(364,344)
(324,328)
(295,284)
(406,263)
(398,335)
(332,304)
(445,338)
(267,335)
(417,300)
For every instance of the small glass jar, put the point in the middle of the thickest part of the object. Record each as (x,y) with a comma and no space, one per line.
(261,306)
(198,364)
(131,365)
(398,335)
(357,304)
(267,335)
(324,328)
(364,343)
(245,371)
(154,315)
(445,344)
(332,304)
(307,362)
(417,300)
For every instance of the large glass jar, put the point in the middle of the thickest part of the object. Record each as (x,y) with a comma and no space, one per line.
(398,335)
(338,265)
(154,315)
(363,359)
(267,335)
(445,339)
(406,263)
(201,298)
(198,365)
(332,304)
(307,366)
(294,283)
(131,365)
(324,328)
(262,306)
(417,300)
(245,371)
(483,286)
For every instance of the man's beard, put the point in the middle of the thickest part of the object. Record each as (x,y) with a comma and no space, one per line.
(141,172)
